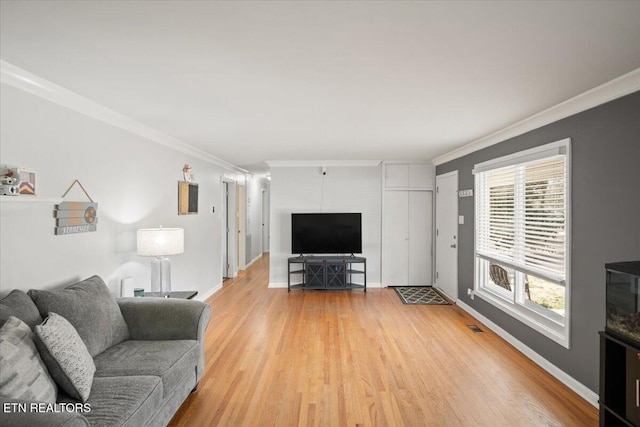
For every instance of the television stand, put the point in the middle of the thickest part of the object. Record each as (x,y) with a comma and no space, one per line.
(335,272)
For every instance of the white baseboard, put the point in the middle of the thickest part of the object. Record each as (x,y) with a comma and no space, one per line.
(277,285)
(583,391)
(213,290)
(252,261)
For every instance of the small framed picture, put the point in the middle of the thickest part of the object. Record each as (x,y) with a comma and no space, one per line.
(187,198)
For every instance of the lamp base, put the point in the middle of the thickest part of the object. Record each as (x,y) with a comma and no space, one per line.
(161,276)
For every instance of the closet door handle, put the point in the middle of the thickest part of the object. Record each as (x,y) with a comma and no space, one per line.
(637,393)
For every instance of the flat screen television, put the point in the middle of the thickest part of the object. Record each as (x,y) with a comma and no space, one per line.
(326,233)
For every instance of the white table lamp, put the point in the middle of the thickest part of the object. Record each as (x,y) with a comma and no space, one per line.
(158,243)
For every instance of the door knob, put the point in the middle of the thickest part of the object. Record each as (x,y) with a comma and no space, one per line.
(453,246)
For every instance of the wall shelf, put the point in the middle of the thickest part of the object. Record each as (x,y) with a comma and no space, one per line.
(29,200)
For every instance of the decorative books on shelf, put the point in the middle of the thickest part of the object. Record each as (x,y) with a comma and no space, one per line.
(16,181)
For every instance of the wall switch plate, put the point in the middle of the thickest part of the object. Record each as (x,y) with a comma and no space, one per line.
(460,219)
(465,193)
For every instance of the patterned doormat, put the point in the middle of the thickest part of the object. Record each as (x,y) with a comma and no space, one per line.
(420,295)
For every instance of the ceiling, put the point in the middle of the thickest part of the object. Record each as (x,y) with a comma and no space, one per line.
(324,80)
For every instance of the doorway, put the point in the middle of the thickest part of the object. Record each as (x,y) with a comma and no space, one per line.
(225,231)
(265,221)
(242,232)
(447,234)
(229,227)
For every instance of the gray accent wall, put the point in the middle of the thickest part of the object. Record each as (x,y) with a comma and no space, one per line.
(605,220)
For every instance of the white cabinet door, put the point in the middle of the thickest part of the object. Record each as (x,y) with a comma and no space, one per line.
(395,250)
(396,176)
(420,176)
(407,238)
(408,176)
(420,234)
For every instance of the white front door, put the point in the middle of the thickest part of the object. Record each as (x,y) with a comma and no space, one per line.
(447,234)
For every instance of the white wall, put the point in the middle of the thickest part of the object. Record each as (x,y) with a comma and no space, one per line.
(133,180)
(345,189)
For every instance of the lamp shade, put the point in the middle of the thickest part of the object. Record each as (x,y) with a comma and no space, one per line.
(160,242)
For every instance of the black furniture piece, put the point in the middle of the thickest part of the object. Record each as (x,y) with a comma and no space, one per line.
(619,382)
(326,272)
(620,347)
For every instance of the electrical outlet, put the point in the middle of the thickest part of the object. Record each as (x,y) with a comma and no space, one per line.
(471,293)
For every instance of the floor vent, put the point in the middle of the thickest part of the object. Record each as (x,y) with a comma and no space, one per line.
(475,329)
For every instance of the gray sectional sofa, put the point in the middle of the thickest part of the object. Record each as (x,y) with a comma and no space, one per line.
(147,353)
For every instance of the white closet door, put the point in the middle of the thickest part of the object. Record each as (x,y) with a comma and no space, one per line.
(395,227)
(396,176)
(420,235)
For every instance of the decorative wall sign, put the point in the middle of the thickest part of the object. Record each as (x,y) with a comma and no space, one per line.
(76,217)
(187,198)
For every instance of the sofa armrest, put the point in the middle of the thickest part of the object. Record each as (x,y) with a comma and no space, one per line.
(151,318)
(21,413)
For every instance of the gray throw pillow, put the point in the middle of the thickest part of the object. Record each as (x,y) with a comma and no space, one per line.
(23,374)
(90,308)
(66,356)
(18,304)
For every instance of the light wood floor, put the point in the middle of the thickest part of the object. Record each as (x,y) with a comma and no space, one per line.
(336,358)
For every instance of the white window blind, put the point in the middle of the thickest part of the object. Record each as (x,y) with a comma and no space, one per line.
(521,216)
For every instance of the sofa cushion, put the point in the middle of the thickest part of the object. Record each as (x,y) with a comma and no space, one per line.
(123,401)
(90,308)
(23,374)
(169,360)
(18,304)
(66,356)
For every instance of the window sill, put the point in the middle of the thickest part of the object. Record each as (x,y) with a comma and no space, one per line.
(552,330)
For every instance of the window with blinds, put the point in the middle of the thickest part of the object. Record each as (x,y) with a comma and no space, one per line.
(521,225)
(521,217)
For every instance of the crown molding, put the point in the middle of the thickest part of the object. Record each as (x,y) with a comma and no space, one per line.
(321,163)
(616,88)
(21,79)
